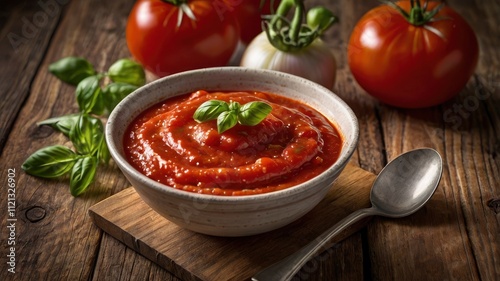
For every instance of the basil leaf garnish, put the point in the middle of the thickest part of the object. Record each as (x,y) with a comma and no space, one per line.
(226,121)
(228,115)
(209,110)
(253,113)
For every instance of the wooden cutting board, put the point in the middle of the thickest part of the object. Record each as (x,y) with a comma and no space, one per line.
(193,256)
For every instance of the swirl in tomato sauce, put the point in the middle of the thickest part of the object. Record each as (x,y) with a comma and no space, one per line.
(291,145)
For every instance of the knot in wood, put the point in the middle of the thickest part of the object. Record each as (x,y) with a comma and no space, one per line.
(35,214)
(494,204)
(42,132)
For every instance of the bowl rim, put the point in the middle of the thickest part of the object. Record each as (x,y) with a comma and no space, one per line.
(127,168)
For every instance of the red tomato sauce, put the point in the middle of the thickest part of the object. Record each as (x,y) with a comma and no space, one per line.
(291,145)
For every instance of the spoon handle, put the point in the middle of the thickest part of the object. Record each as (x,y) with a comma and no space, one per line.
(289,266)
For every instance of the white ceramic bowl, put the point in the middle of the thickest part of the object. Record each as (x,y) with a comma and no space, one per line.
(232,215)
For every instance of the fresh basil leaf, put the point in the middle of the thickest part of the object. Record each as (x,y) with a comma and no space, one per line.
(82,174)
(226,121)
(228,115)
(87,93)
(99,105)
(72,70)
(114,92)
(234,106)
(210,110)
(50,162)
(253,113)
(62,124)
(87,134)
(103,153)
(127,71)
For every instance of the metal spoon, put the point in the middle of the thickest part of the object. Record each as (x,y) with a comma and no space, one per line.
(401,188)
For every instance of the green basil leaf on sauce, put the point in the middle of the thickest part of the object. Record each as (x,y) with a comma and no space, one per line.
(87,93)
(127,71)
(50,162)
(210,110)
(82,174)
(228,115)
(226,121)
(72,70)
(253,113)
(234,106)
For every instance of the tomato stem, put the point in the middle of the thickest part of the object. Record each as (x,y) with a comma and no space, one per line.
(297,19)
(417,15)
(184,9)
(283,9)
(294,35)
(176,2)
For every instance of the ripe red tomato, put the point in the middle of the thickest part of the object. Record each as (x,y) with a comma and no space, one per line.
(163,46)
(249,14)
(411,66)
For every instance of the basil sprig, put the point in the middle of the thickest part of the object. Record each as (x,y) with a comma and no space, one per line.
(84,129)
(229,114)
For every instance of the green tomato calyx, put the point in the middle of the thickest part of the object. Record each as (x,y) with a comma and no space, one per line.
(418,14)
(176,2)
(184,9)
(295,35)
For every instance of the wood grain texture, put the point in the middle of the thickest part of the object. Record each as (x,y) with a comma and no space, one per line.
(125,264)
(195,256)
(26,30)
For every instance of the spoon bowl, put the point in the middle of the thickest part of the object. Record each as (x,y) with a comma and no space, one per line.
(401,189)
(407,183)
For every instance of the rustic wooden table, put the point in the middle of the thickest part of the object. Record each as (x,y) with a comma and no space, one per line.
(455,237)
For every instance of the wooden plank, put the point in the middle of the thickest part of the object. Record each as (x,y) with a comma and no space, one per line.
(193,256)
(126,264)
